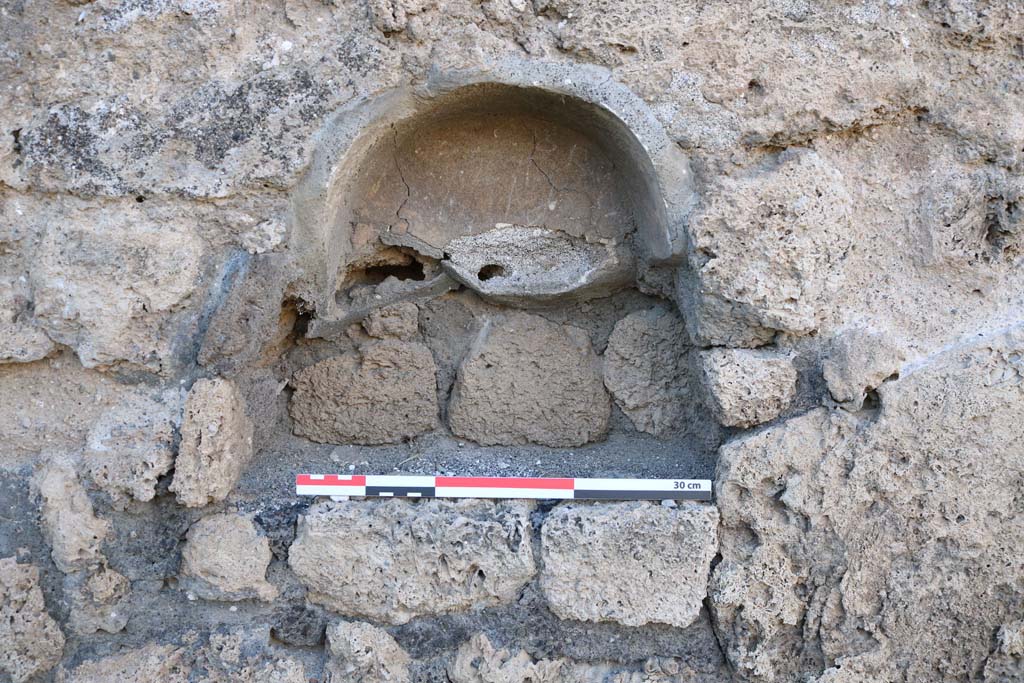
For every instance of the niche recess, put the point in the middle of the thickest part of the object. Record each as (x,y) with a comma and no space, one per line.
(527,183)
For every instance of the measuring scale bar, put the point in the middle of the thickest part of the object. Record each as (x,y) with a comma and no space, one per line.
(541,488)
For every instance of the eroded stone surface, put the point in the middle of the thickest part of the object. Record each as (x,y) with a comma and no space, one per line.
(132,445)
(765,250)
(528,380)
(31,642)
(745,388)
(828,520)
(646,368)
(858,361)
(216,443)
(361,653)
(225,558)
(383,393)
(21,341)
(70,524)
(521,265)
(392,560)
(229,656)
(113,296)
(478,661)
(400,321)
(151,662)
(630,562)
(98,601)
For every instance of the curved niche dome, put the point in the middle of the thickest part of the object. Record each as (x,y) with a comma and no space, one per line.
(527,186)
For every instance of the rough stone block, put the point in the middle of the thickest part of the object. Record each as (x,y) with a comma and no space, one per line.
(225,558)
(746,388)
(111,295)
(478,661)
(97,601)
(385,392)
(216,443)
(132,445)
(361,653)
(392,560)
(75,533)
(630,562)
(31,642)
(150,662)
(646,368)
(765,251)
(527,380)
(21,341)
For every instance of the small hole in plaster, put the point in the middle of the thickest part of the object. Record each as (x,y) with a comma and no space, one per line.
(489,271)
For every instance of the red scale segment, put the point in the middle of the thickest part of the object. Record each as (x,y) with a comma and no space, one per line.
(505,483)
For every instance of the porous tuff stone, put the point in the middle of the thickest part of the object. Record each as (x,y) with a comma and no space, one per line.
(631,562)
(392,560)
(385,392)
(150,662)
(225,558)
(132,445)
(113,296)
(400,321)
(31,642)
(97,601)
(646,369)
(832,520)
(1006,663)
(236,656)
(745,388)
(20,340)
(216,443)
(519,265)
(478,661)
(858,361)
(527,380)
(361,653)
(74,531)
(765,250)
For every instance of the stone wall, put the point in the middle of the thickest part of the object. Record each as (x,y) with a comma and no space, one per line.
(776,244)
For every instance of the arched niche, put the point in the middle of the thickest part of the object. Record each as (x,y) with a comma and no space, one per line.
(527,182)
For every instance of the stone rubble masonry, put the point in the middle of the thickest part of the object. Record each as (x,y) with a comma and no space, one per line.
(744,388)
(646,368)
(216,443)
(225,558)
(361,653)
(528,380)
(74,531)
(385,392)
(31,642)
(630,562)
(831,519)
(390,560)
